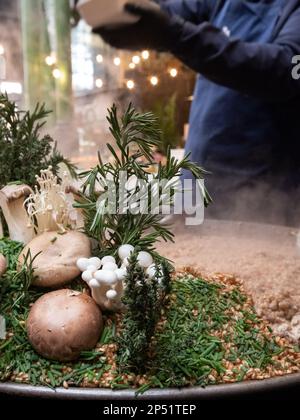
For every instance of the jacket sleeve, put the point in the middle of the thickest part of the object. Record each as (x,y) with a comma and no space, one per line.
(195,11)
(262,70)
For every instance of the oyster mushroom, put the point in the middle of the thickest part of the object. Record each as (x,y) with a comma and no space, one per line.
(63,323)
(12,199)
(3,265)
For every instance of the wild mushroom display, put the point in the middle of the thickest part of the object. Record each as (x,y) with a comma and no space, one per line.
(63,323)
(12,198)
(171,329)
(55,256)
(3,265)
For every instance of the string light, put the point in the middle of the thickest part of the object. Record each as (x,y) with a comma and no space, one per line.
(154,80)
(99,83)
(117,61)
(50,60)
(130,84)
(136,59)
(99,58)
(56,74)
(131,65)
(173,72)
(145,55)
(2,50)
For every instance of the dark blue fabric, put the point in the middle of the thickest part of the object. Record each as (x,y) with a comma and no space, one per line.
(245,117)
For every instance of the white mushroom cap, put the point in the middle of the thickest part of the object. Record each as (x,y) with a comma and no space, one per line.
(121,273)
(87,275)
(108,259)
(106,276)
(96,262)
(144,259)
(111,294)
(93,283)
(91,268)
(125,250)
(110,266)
(83,263)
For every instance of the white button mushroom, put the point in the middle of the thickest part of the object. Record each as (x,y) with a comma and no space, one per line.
(83,263)
(111,294)
(87,276)
(121,273)
(95,261)
(125,250)
(106,276)
(110,266)
(108,259)
(144,259)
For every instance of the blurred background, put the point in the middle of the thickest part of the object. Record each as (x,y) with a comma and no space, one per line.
(47,54)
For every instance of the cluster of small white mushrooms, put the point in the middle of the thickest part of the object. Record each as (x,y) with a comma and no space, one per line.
(105,277)
(50,206)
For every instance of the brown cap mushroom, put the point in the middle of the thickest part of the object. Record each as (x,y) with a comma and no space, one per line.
(3,265)
(12,204)
(58,253)
(63,323)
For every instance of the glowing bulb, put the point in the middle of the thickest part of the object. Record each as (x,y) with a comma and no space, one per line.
(130,84)
(131,65)
(50,60)
(173,72)
(2,51)
(99,83)
(117,61)
(136,59)
(154,80)
(99,58)
(56,74)
(145,55)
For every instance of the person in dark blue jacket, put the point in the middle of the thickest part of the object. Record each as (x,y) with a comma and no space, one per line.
(245,117)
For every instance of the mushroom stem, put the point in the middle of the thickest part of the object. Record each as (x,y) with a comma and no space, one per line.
(12,204)
(119,289)
(3,265)
(1,229)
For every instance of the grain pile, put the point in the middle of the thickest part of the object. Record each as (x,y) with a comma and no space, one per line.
(264,257)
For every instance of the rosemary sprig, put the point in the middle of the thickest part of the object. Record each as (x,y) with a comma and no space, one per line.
(136,135)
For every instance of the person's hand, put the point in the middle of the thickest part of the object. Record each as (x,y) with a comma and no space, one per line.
(154,29)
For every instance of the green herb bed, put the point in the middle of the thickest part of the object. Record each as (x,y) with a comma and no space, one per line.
(209,333)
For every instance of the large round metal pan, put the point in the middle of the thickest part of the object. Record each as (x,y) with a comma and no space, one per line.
(288,385)
(284,385)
